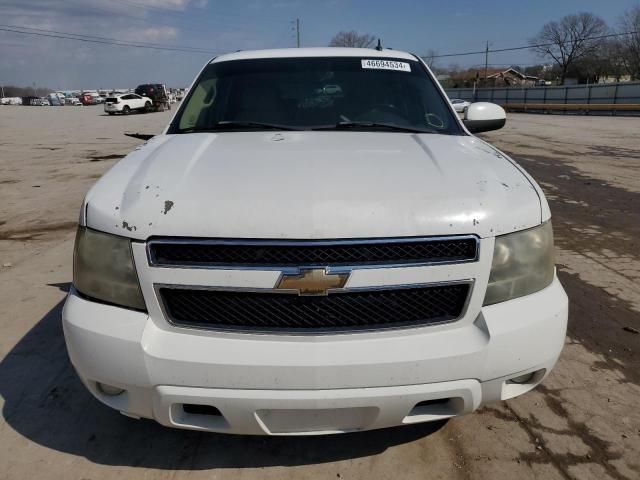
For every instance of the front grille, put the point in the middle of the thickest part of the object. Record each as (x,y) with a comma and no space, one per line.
(348,310)
(269,253)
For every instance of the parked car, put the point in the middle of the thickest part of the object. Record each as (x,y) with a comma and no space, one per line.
(459,105)
(279,263)
(158,94)
(55,99)
(86,99)
(35,101)
(11,101)
(72,101)
(127,103)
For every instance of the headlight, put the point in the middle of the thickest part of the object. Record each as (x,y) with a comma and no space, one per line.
(103,269)
(523,263)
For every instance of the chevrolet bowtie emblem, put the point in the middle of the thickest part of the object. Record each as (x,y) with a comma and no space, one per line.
(312,281)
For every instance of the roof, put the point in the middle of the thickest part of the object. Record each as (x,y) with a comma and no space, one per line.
(515,72)
(314,52)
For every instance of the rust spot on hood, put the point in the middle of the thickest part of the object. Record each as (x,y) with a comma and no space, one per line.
(126,225)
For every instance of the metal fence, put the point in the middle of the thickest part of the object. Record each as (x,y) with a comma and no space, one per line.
(610,93)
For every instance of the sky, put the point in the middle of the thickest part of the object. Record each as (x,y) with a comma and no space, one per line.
(214,27)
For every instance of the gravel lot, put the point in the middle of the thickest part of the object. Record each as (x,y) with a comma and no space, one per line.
(582,423)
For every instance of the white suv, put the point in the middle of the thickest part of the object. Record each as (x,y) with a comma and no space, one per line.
(315,244)
(126,103)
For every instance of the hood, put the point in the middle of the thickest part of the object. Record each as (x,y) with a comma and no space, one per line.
(313,185)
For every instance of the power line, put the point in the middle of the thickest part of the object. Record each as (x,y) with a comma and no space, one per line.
(514,64)
(108,41)
(539,45)
(82,35)
(200,26)
(98,39)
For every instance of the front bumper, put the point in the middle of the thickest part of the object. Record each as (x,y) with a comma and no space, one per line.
(268,384)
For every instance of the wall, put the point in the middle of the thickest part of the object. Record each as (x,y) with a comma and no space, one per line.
(611,93)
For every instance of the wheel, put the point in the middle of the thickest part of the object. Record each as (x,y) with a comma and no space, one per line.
(111,113)
(160,107)
(147,106)
(126,110)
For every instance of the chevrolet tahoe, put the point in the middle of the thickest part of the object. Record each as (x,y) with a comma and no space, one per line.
(315,244)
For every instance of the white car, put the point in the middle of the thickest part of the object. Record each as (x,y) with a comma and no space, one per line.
(278,262)
(126,103)
(459,105)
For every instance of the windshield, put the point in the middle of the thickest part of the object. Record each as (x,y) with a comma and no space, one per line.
(315,93)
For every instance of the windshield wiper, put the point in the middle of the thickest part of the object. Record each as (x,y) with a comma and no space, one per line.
(373,125)
(238,125)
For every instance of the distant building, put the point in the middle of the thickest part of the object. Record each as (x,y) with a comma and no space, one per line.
(511,77)
(612,79)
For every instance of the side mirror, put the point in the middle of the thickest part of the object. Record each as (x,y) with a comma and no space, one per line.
(484,116)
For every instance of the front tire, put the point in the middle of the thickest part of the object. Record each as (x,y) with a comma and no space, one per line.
(111,113)
(126,110)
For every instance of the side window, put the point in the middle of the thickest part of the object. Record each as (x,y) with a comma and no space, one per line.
(135,97)
(126,97)
(202,99)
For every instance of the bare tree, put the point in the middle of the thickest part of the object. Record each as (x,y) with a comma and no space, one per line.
(569,40)
(430,58)
(629,44)
(352,39)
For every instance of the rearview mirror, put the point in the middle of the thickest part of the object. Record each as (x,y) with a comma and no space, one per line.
(484,116)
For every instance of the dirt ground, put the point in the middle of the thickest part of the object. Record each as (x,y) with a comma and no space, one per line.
(582,423)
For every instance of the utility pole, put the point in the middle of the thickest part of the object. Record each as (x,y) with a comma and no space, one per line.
(298,32)
(486,62)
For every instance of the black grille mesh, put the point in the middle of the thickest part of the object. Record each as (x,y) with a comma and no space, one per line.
(377,309)
(304,254)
